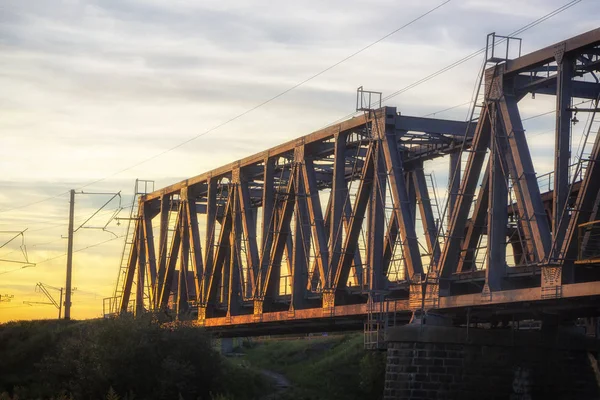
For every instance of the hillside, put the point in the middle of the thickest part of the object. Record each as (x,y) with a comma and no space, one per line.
(327,368)
(118,359)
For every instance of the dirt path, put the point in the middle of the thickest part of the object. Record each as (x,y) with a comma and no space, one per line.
(281,383)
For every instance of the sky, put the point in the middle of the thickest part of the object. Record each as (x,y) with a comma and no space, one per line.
(96,93)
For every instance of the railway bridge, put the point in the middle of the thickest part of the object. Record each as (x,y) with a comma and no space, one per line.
(327,230)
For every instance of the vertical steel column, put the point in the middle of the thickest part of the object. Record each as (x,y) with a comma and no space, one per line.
(150,252)
(399,193)
(409,178)
(426,211)
(141,270)
(181,301)
(316,216)
(211,220)
(562,148)
(376,222)
(249,228)
(524,178)
(497,211)
(456,229)
(301,246)
(583,209)
(130,273)
(355,221)
(234,285)
(338,200)
(214,270)
(270,276)
(476,225)
(195,249)
(268,222)
(171,262)
(453,182)
(165,208)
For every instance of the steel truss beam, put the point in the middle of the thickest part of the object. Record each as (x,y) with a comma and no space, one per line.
(310,229)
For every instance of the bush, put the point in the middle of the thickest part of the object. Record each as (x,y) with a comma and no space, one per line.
(121,358)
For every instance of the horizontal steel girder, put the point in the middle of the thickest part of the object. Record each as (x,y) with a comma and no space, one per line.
(276,237)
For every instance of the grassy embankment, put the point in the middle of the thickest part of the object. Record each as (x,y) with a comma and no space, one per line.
(327,368)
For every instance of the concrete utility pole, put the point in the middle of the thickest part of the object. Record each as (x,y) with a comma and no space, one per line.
(69,258)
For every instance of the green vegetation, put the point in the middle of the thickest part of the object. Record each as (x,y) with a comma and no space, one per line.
(327,368)
(117,359)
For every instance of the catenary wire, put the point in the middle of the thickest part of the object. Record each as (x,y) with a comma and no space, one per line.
(248,111)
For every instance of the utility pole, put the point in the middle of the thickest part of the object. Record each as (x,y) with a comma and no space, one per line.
(44,289)
(68,290)
(69,257)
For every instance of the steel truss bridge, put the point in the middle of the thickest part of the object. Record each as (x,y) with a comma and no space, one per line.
(318,232)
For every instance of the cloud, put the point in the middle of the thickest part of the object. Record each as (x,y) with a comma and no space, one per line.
(91,88)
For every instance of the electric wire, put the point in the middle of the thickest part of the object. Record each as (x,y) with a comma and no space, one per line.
(467,57)
(244,113)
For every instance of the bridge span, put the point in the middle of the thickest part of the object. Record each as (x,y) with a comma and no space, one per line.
(323,231)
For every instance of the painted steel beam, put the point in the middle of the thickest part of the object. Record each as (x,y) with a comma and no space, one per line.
(171,261)
(454,175)
(130,271)
(399,193)
(562,148)
(475,225)
(391,236)
(235,287)
(214,270)
(432,126)
(269,283)
(338,200)
(527,191)
(150,255)
(546,55)
(316,218)
(193,236)
(497,220)
(455,233)
(211,220)
(376,221)
(429,225)
(274,152)
(249,230)
(548,86)
(141,271)
(301,245)
(183,291)
(583,209)
(529,296)
(165,208)
(355,220)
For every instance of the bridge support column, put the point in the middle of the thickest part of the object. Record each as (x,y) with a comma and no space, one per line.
(442,362)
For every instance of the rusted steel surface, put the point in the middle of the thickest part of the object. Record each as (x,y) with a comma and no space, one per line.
(308,231)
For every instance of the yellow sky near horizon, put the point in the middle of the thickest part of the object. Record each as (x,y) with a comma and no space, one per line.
(95,94)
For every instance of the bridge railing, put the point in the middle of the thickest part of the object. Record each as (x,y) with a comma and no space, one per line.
(588,237)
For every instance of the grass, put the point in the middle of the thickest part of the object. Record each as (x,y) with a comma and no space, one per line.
(323,368)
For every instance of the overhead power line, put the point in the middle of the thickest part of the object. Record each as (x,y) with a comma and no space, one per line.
(248,111)
(238,116)
(468,57)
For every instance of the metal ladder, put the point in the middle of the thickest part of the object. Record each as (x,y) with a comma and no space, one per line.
(141,187)
(377,321)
